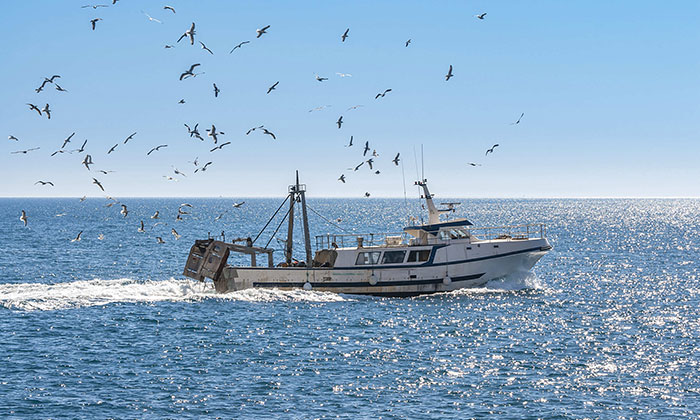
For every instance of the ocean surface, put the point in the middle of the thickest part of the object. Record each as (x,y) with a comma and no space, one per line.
(607,325)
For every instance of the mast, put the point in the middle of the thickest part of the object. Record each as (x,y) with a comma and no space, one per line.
(307,238)
(433,212)
(290,226)
(297,191)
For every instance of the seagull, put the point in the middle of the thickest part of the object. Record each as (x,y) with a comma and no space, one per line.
(44,183)
(203,168)
(94,21)
(239,46)
(77,238)
(271,88)
(321,79)
(186,205)
(179,173)
(93,6)
(358,166)
(350,145)
(345,35)
(96,182)
(374,153)
(253,129)
(355,107)
(25,151)
(181,101)
(449,74)
(396,159)
(519,118)
(35,108)
(377,172)
(46,111)
(175,234)
(344,74)
(189,72)
(188,33)
(220,216)
(59,88)
(491,149)
(124,210)
(220,146)
(87,161)
(152,19)
(216,91)
(204,47)
(408,42)
(83,198)
(481,16)
(364,153)
(366,194)
(23,217)
(52,78)
(160,240)
(382,94)
(169,178)
(40,88)
(101,236)
(171,8)
(11,137)
(156,148)
(269,133)
(112,149)
(141,228)
(262,31)
(82,148)
(105,172)
(213,134)
(155,215)
(66,141)
(237,205)
(340,121)
(342,178)
(473,164)
(370,161)
(131,136)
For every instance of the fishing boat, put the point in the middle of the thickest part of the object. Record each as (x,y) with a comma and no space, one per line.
(434,256)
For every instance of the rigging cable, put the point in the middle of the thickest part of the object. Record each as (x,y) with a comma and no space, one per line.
(268,222)
(278,226)
(326,220)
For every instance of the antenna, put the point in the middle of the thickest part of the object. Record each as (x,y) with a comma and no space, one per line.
(422,165)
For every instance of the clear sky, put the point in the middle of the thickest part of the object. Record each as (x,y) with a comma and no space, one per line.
(610,92)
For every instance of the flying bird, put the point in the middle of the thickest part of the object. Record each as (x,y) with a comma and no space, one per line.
(204,47)
(213,134)
(345,35)
(96,182)
(24,152)
(342,178)
(82,148)
(396,159)
(77,238)
(370,161)
(188,33)
(408,42)
(59,88)
(124,210)
(262,31)
(481,16)
(94,6)
(271,88)
(175,234)
(171,8)
(382,94)
(44,183)
(11,137)
(66,141)
(168,46)
(253,129)
(344,74)
(220,146)
(177,172)
(87,161)
(239,46)
(203,168)
(350,144)
(35,108)
(94,22)
(190,72)
(366,194)
(374,153)
(131,136)
(112,149)
(519,118)
(24,218)
(364,152)
(152,19)
(160,240)
(473,164)
(358,166)
(181,101)
(340,121)
(449,74)
(142,228)
(216,91)
(155,215)
(156,149)
(491,149)
(321,79)
(355,107)
(237,205)
(46,111)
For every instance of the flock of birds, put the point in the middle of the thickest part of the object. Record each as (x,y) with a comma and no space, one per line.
(212,133)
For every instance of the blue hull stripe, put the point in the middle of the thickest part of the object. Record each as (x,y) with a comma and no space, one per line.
(365,283)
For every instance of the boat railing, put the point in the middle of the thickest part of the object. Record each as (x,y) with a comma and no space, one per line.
(348,240)
(516,232)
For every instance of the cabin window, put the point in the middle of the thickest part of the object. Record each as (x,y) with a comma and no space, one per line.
(367,258)
(393,257)
(419,256)
(444,235)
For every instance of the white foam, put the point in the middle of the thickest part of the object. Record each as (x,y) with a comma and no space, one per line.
(520,280)
(75,294)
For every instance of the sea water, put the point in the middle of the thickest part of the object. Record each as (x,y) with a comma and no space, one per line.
(607,324)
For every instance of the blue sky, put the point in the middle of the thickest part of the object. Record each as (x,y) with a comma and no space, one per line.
(610,92)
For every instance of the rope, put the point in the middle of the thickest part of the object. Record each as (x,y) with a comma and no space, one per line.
(268,222)
(278,226)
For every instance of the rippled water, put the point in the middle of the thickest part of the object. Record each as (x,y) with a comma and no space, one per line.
(607,325)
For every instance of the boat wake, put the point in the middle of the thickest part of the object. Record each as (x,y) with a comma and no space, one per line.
(520,280)
(97,292)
